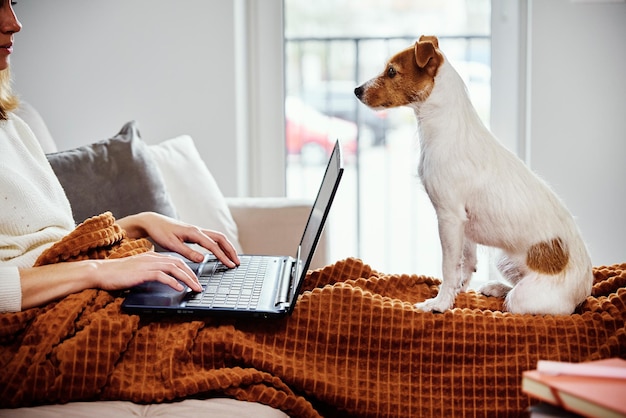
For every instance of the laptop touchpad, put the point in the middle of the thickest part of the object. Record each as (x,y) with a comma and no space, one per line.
(157,294)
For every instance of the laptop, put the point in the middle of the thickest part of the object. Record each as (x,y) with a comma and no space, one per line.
(262,286)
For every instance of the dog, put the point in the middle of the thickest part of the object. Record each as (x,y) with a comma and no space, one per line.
(482,193)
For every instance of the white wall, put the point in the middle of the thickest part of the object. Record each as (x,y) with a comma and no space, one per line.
(90,66)
(577,115)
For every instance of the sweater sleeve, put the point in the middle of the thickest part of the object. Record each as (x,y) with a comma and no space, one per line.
(10,289)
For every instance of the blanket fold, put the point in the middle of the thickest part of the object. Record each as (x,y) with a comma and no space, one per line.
(354,345)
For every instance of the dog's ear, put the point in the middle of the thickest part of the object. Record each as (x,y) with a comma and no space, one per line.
(426,56)
(432,39)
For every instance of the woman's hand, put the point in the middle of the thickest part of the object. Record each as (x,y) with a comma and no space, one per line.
(44,284)
(123,273)
(172,236)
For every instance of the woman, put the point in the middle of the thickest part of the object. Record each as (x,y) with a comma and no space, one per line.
(35,213)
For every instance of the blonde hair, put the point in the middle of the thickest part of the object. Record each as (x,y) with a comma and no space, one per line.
(8,101)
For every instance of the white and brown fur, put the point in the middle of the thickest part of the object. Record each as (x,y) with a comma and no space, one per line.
(482,193)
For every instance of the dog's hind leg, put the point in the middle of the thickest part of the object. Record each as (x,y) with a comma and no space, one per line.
(495,288)
(541,294)
(511,271)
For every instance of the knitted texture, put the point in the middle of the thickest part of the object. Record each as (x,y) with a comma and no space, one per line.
(98,237)
(354,346)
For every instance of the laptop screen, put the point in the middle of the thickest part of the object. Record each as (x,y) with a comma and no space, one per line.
(321,207)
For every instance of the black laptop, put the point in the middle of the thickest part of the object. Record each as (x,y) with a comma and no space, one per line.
(262,286)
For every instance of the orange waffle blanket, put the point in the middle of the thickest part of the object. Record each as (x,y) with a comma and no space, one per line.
(354,346)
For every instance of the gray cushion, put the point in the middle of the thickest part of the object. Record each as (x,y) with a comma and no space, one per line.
(117,175)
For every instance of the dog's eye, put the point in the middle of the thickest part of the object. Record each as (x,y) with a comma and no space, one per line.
(391,72)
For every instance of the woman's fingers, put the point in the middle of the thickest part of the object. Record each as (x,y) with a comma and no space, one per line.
(174,270)
(213,241)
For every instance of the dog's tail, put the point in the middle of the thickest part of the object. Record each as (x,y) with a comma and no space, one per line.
(555,289)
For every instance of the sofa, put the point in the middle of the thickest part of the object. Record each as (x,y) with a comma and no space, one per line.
(253,225)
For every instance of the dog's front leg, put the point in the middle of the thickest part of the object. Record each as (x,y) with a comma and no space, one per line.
(469,263)
(451,234)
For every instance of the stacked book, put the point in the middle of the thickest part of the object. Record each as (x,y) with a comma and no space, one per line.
(592,389)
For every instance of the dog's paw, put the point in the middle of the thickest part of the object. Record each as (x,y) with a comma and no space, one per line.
(433,305)
(495,288)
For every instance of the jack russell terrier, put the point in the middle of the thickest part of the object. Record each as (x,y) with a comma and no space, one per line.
(482,193)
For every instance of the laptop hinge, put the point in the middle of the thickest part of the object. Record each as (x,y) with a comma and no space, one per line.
(290,271)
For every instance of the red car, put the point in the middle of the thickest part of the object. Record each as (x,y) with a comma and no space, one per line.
(312,135)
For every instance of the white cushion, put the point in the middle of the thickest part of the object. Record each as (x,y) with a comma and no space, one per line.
(192,189)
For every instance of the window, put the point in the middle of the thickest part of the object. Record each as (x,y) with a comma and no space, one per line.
(381,213)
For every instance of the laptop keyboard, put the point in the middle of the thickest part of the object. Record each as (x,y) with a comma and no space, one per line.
(238,288)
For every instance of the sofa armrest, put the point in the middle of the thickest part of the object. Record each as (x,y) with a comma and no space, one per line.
(273,226)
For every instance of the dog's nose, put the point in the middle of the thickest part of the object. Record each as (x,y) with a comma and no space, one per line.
(358,91)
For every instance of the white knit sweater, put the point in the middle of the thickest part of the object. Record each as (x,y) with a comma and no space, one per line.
(34,211)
